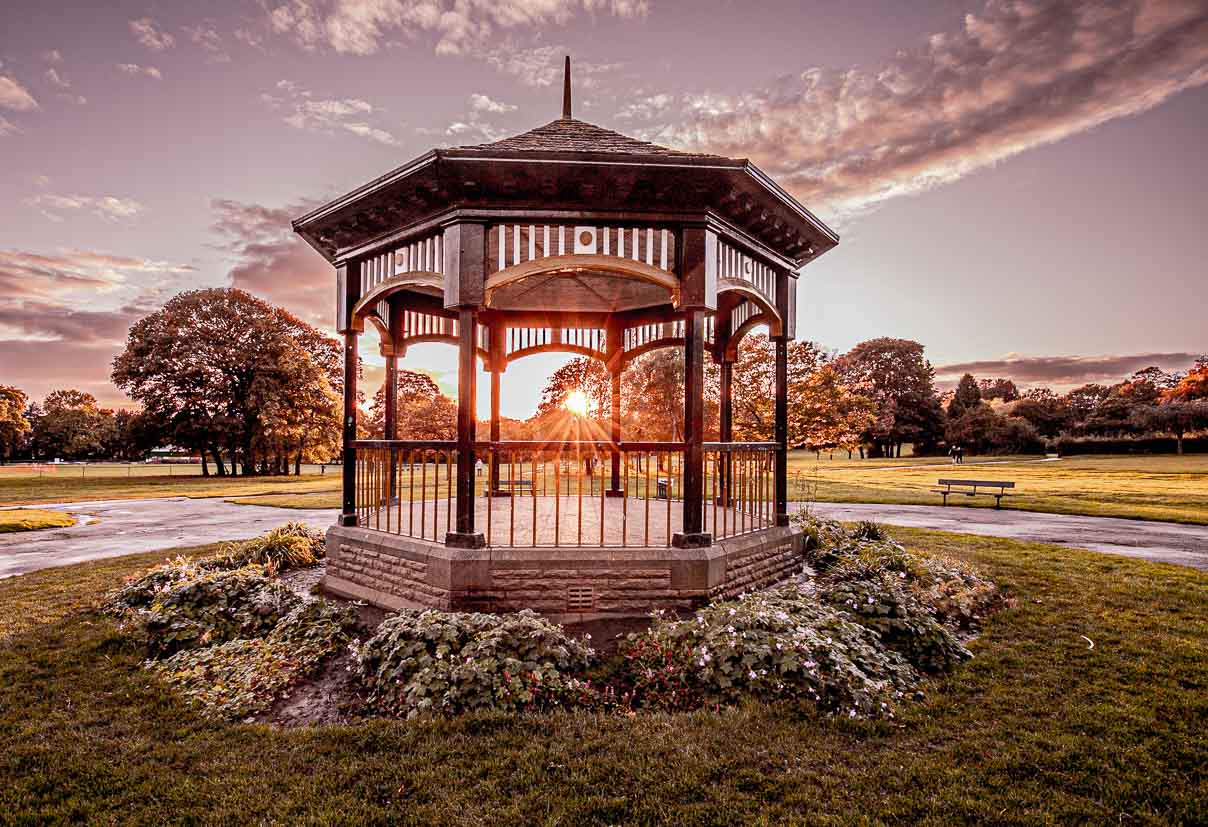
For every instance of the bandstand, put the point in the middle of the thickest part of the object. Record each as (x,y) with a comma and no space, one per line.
(576,239)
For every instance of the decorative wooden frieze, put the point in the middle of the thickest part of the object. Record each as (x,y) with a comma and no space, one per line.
(512,244)
(735,266)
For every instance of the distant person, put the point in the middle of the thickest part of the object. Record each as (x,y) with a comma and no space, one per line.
(952,453)
(960,455)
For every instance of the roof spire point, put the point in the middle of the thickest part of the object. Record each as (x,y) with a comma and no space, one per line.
(566,90)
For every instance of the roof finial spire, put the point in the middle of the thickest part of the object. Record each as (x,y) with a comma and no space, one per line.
(566,90)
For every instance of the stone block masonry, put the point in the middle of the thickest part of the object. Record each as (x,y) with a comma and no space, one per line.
(565,584)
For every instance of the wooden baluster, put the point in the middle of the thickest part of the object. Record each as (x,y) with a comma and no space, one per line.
(423,492)
(512,498)
(557,496)
(533,488)
(646,455)
(491,455)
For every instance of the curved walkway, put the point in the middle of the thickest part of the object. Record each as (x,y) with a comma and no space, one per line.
(1184,545)
(116,527)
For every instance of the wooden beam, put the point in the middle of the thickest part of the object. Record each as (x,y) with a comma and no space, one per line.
(693,534)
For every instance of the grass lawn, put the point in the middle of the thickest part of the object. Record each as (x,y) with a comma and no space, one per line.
(32,519)
(1038,728)
(28,485)
(1141,487)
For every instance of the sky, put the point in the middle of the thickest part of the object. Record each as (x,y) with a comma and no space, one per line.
(1019,184)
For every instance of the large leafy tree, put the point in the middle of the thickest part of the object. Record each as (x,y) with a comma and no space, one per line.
(824,412)
(225,372)
(901,382)
(13,423)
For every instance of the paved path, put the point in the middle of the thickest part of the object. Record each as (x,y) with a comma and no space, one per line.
(1185,545)
(116,527)
(112,528)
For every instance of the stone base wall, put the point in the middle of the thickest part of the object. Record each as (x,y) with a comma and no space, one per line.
(566,584)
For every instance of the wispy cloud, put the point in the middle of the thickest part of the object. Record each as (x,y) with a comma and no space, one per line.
(542,65)
(134,69)
(1065,370)
(269,260)
(208,38)
(485,103)
(105,206)
(1019,74)
(329,115)
(149,33)
(362,27)
(7,127)
(28,275)
(15,96)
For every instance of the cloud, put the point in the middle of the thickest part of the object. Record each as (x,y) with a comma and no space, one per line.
(148,33)
(1019,74)
(38,367)
(328,116)
(361,27)
(106,206)
(7,127)
(646,107)
(271,261)
(541,66)
(53,56)
(207,37)
(134,69)
(28,276)
(15,96)
(1066,370)
(484,103)
(60,81)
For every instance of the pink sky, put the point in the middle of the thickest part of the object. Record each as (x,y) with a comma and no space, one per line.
(1019,185)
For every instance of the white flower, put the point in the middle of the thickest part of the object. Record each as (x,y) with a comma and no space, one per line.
(751,674)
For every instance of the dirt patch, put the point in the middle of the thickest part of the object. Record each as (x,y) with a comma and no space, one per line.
(329,697)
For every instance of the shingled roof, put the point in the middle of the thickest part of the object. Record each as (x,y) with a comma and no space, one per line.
(568,135)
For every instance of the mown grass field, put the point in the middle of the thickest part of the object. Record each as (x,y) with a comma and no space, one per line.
(1038,728)
(32,519)
(30,485)
(1141,487)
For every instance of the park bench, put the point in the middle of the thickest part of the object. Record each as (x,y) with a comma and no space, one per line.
(960,486)
(512,486)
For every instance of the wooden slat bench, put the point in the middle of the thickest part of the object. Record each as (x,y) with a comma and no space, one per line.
(959,486)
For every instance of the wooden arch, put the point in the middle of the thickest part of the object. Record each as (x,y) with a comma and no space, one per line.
(556,347)
(571,265)
(731,349)
(756,297)
(418,280)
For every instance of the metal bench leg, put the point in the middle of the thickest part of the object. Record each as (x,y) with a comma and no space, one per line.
(998,502)
(945,496)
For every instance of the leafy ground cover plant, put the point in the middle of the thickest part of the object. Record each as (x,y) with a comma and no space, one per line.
(422,662)
(246,676)
(783,643)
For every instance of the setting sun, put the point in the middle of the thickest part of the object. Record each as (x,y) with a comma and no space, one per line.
(576,402)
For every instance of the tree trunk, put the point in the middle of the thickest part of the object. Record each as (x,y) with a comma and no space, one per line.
(218,463)
(1178,437)
(205,465)
(298,463)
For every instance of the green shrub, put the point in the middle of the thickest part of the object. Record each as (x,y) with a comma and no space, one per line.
(869,530)
(286,547)
(885,603)
(431,662)
(767,645)
(184,605)
(247,676)
(959,596)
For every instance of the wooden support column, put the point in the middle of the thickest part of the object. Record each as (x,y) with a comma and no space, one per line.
(782,429)
(493,473)
(725,405)
(786,306)
(465,274)
(614,343)
(697,270)
(693,535)
(348,290)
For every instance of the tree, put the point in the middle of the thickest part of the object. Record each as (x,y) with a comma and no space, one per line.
(71,426)
(1192,386)
(13,424)
(972,428)
(220,370)
(589,377)
(424,412)
(825,413)
(1044,410)
(901,383)
(966,397)
(1175,416)
(1003,389)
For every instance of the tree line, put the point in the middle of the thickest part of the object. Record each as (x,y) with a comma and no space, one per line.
(251,389)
